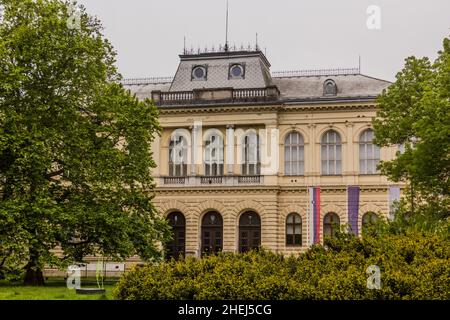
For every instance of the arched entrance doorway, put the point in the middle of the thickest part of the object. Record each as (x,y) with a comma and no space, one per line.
(176,247)
(249,231)
(212,233)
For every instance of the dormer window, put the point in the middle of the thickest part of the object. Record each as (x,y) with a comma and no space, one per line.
(329,88)
(236,71)
(199,73)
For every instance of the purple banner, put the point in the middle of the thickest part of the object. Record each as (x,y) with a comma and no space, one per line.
(353,208)
(314,214)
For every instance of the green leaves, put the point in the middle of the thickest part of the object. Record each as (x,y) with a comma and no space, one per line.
(415,111)
(75,159)
(414,265)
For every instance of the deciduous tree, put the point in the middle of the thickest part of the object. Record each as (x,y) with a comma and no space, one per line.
(414,112)
(75,158)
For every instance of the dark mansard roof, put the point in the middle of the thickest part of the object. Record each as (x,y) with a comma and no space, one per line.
(246,76)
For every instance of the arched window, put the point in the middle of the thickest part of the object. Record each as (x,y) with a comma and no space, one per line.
(176,247)
(369,153)
(293,230)
(294,163)
(330,224)
(369,218)
(329,88)
(214,155)
(251,164)
(331,153)
(249,231)
(178,156)
(212,233)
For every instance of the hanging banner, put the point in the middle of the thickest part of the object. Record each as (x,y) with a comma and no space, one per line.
(353,207)
(394,196)
(314,215)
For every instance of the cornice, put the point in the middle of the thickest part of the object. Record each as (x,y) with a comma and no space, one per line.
(217,190)
(279,108)
(264,189)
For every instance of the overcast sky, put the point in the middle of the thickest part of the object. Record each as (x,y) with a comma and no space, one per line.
(297,34)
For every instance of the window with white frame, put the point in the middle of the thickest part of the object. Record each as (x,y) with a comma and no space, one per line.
(178,156)
(331,153)
(214,155)
(294,162)
(251,164)
(369,153)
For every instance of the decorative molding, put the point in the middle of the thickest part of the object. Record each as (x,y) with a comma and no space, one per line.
(218,189)
(338,209)
(264,108)
(164,208)
(349,124)
(248,205)
(291,208)
(296,189)
(265,189)
(318,134)
(284,133)
(210,205)
(369,207)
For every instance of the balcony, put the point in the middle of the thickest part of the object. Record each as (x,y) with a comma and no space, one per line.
(203,181)
(211,180)
(216,95)
(174,180)
(249,179)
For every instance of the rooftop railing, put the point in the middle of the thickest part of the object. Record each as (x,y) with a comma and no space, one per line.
(219,95)
(146,81)
(275,74)
(316,72)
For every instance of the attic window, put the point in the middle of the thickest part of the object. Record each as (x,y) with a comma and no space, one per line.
(329,88)
(236,71)
(199,73)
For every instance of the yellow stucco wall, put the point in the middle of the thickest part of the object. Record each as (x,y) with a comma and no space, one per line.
(277,195)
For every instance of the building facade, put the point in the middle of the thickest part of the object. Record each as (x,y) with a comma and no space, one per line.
(250,158)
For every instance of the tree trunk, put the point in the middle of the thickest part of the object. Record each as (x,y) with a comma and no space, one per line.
(33,274)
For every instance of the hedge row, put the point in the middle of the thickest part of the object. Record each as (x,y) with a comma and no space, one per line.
(413,266)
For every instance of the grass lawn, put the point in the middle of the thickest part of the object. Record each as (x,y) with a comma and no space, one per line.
(52,291)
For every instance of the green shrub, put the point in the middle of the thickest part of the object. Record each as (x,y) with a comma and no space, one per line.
(413,266)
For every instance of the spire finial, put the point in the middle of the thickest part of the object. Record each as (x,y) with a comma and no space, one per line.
(359,64)
(256,46)
(226,31)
